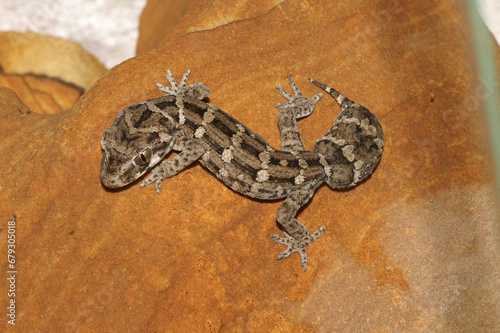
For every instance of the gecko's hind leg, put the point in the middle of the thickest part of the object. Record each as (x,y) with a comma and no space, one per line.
(298,106)
(196,90)
(297,237)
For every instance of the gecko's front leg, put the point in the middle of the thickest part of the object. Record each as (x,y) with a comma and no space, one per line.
(196,90)
(297,237)
(192,150)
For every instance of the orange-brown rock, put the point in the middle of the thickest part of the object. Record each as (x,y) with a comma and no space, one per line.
(42,94)
(49,74)
(159,18)
(31,53)
(412,249)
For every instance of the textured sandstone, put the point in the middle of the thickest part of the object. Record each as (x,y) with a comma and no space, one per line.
(49,74)
(412,249)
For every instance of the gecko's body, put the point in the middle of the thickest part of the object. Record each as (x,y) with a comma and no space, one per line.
(143,134)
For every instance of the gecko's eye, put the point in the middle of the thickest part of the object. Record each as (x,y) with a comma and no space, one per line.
(143,157)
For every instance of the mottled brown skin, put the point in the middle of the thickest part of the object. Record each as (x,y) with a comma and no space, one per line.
(143,134)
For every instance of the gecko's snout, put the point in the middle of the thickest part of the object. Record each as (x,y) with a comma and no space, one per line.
(109,183)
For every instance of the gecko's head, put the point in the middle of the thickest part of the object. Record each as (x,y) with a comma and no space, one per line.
(138,140)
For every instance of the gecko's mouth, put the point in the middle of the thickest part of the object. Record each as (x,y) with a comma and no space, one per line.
(117,181)
(110,183)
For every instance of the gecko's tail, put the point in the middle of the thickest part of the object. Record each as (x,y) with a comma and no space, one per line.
(341,99)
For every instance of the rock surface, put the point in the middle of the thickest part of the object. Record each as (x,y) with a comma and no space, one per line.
(49,74)
(412,249)
(31,53)
(41,94)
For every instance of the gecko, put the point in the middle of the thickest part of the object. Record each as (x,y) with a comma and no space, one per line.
(143,134)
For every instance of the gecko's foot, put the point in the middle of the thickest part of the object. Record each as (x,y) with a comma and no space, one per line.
(300,104)
(297,245)
(196,90)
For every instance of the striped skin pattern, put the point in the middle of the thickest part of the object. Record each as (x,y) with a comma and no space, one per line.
(143,134)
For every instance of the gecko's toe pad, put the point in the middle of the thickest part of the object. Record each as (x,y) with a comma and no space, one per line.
(297,245)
